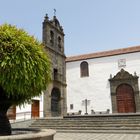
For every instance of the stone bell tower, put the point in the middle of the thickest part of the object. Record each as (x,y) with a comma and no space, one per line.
(55,95)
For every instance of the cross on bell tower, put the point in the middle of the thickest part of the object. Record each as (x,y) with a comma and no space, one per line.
(54,12)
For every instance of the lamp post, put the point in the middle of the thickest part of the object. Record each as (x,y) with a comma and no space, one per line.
(86,103)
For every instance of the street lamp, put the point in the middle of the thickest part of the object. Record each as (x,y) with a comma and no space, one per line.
(86,103)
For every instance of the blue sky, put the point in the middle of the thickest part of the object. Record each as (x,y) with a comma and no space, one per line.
(89,25)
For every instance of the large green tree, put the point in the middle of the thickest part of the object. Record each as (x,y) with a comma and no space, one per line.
(24,70)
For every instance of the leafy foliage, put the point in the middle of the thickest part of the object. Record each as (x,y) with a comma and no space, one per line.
(24,66)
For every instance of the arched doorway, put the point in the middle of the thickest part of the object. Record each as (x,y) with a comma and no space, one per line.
(55,102)
(124,89)
(125,99)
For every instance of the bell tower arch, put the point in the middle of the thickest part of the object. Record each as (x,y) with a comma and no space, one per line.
(53,39)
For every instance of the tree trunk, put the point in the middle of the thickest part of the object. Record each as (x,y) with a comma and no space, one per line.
(5,126)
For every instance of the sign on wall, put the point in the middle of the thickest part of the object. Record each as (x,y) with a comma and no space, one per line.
(122,63)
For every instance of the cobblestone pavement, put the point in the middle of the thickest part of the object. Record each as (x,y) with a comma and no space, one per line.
(95,136)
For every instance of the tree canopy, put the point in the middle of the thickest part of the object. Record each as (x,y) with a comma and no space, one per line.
(24,66)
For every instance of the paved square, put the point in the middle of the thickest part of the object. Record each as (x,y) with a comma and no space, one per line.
(95,136)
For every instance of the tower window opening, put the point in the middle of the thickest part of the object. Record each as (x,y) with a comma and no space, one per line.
(51,37)
(59,42)
(55,71)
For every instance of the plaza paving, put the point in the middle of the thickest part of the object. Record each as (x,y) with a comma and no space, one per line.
(95,136)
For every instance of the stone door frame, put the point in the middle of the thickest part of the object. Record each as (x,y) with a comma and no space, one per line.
(123,77)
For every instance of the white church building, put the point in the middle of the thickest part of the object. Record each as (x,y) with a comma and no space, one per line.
(104,81)
(91,83)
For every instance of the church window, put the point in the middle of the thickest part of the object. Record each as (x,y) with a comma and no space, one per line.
(59,42)
(51,37)
(55,72)
(84,69)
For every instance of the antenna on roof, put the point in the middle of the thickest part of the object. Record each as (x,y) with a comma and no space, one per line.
(54,12)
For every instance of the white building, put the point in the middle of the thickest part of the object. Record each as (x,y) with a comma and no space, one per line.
(27,111)
(88,78)
(104,80)
(108,80)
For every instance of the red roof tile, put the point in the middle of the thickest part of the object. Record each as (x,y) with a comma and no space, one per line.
(104,54)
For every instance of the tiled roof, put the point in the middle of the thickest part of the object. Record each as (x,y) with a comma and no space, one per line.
(104,54)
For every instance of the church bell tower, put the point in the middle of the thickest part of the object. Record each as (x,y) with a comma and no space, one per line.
(55,95)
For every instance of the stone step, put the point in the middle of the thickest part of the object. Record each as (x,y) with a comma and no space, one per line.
(92,119)
(100,131)
(94,123)
(87,121)
(89,128)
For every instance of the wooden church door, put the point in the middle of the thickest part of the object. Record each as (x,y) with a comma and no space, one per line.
(125,99)
(35,109)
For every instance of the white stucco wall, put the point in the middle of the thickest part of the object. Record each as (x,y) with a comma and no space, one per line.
(96,87)
(24,112)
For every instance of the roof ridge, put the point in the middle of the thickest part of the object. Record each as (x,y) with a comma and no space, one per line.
(104,53)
